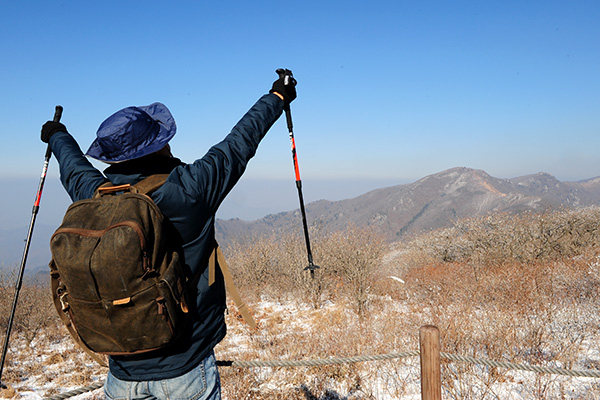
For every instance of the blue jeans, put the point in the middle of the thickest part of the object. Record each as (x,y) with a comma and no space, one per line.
(201,383)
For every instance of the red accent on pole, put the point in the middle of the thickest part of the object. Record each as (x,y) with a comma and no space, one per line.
(296,168)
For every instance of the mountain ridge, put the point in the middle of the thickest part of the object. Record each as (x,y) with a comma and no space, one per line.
(431,202)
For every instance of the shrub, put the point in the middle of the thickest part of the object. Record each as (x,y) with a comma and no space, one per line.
(35,309)
(353,258)
(504,237)
(275,265)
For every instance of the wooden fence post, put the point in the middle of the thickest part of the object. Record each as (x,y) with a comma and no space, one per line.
(431,377)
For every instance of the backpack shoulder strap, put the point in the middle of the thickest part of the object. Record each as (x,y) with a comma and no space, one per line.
(217,258)
(151,183)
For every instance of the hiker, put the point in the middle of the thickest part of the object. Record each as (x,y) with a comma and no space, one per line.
(134,142)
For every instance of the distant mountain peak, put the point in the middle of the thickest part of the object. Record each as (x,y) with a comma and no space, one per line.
(432,202)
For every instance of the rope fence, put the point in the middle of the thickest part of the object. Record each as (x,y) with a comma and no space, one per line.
(523,367)
(316,363)
(367,358)
(77,392)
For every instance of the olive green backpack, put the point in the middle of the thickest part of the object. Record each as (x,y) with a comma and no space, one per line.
(117,280)
(116,272)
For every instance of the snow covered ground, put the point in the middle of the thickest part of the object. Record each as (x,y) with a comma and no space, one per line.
(52,363)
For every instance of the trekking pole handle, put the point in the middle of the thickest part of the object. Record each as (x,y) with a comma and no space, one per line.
(281,73)
(57,115)
(288,113)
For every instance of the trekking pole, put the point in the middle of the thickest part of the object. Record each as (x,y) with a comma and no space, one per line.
(288,115)
(36,207)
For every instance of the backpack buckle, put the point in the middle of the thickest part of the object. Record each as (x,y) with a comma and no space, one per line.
(63,302)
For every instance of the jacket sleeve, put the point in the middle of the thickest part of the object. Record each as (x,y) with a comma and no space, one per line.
(212,177)
(78,176)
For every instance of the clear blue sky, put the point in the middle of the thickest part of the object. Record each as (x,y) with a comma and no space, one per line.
(389,91)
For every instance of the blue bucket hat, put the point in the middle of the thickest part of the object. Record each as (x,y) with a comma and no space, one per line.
(133,132)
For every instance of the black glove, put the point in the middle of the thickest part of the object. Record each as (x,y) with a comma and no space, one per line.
(285,86)
(50,128)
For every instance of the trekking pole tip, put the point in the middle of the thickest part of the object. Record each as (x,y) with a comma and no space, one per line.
(312,267)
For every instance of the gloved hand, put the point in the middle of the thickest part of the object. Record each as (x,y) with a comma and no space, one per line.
(50,128)
(285,86)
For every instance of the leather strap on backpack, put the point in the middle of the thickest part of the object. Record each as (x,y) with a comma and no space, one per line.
(217,258)
(151,183)
(145,186)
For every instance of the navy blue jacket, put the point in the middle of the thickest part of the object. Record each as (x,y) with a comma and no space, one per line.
(189,198)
